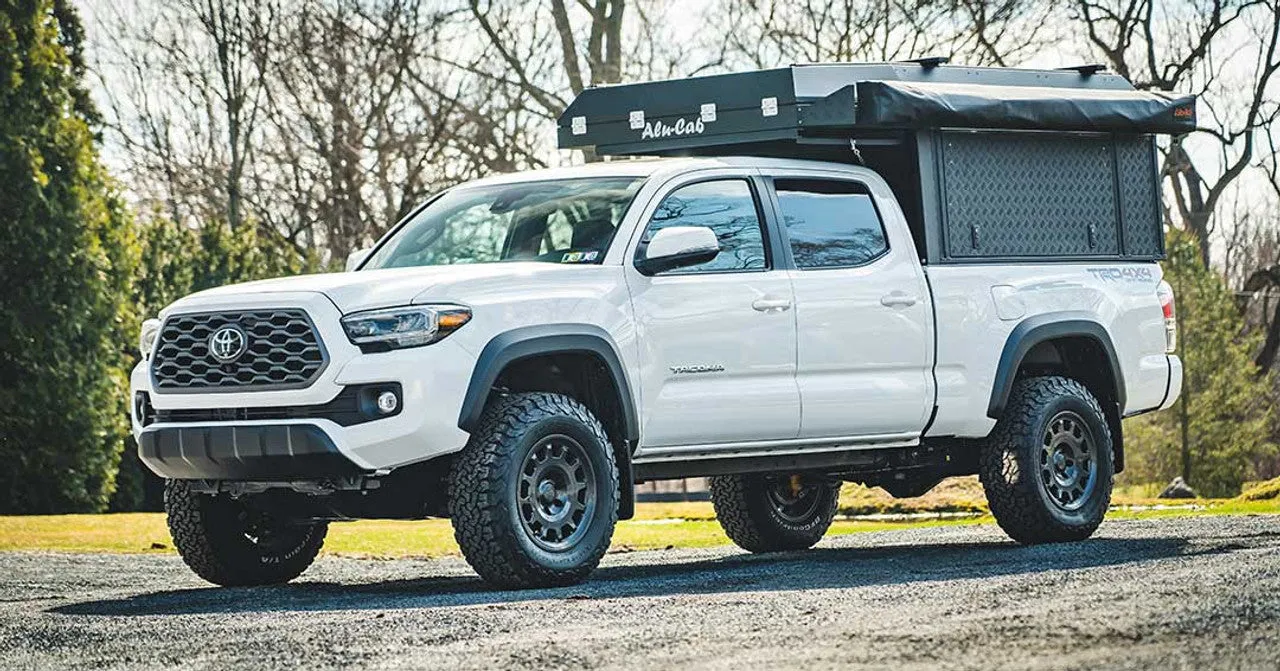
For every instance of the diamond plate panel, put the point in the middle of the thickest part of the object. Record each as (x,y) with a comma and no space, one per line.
(283,351)
(1019,194)
(1140,214)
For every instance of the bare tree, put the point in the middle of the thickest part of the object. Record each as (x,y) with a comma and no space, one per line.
(1224,50)
(327,123)
(512,32)
(534,57)
(320,125)
(194,98)
(769,33)
(232,28)
(352,147)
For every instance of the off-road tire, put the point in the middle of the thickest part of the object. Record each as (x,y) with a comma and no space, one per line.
(484,501)
(1010,463)
(752,521)
(210,534)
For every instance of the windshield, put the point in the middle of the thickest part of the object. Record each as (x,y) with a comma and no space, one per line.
(562,221)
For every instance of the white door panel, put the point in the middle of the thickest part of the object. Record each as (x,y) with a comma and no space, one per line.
(864,338)
(715,368)
(717,346)
(862,365)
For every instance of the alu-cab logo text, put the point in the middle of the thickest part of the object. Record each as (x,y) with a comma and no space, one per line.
(658,129)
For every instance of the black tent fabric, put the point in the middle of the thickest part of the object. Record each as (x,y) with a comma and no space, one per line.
(902,104)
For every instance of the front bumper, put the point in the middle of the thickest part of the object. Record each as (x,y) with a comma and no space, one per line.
(433,380)
(254,452)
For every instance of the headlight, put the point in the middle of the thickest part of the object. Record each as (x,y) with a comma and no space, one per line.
(410,326)
(147,337)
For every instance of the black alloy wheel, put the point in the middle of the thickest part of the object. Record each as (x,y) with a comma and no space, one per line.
(556,491)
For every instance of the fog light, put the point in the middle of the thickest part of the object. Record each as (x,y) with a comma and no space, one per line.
(142,410)
(388,402)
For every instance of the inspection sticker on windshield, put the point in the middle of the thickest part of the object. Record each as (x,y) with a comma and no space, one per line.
(580,257)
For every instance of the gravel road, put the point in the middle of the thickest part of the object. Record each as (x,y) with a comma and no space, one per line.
(1171,594)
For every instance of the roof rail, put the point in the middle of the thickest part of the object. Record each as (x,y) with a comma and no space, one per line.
(1087,70)
(930,62)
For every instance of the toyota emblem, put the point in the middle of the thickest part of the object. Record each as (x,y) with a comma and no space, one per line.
(228,343)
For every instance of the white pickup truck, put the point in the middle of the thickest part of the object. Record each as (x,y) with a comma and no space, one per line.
(522,349)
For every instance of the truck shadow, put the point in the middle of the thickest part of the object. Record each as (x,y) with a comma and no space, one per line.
(823,568)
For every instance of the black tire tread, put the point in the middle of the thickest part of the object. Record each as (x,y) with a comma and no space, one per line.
(1015,501)
(190,527)
(740,503)
(480,520)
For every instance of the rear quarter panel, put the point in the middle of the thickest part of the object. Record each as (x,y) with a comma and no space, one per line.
(978,306)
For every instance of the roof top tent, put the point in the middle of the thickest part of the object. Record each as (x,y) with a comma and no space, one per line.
(987,163)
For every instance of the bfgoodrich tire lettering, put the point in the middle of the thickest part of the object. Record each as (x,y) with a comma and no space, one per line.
(1047,467)
(758,514)
(534,494)
(230,543)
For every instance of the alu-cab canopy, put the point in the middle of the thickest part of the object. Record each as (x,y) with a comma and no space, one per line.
(987,163)
(815,101)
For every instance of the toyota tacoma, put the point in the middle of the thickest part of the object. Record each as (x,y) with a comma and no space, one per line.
(887,274)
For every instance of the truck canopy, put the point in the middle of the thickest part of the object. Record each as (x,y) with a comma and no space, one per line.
(987,163)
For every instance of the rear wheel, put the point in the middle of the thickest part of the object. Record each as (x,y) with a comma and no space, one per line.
(534,494)
(772,512)
(231,542)
(1047,467)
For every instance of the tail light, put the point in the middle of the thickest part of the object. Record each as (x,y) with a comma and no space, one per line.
(1165,293)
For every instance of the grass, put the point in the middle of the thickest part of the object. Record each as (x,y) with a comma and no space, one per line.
(1262,491)
(964,495)
(657,525)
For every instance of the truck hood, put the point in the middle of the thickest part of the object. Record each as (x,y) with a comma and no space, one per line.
(369,289)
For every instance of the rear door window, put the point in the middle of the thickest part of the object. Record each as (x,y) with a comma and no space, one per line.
(830,223)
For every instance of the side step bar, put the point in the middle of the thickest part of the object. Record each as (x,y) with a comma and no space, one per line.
(854,459)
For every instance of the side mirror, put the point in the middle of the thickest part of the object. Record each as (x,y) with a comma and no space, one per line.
(354,259)
(678,247)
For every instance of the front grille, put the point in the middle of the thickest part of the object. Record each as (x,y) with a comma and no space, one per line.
(282,351)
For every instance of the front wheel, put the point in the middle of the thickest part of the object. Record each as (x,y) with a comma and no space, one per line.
(232,542)
(1047,466)
(774,512)
(534,494)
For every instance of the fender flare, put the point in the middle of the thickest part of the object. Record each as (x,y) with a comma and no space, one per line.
(528,341)
(521,343)
(1041,328)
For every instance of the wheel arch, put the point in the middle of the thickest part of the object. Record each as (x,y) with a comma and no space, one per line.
(507,351)
(512,346)
(1049,329)
(1074,344)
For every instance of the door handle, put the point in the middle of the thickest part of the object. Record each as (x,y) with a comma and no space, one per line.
(898,299)
(771,304)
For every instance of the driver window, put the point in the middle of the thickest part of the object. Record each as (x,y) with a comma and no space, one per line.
(727,207)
